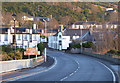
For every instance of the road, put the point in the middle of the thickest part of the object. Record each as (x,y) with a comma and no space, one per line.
(73,67)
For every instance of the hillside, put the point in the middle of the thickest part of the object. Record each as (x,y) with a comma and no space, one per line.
(72,11)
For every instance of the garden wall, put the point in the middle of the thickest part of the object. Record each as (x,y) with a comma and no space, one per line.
(20,64)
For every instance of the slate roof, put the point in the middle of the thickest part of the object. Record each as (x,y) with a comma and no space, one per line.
(88,22)
(18,31)
(94,35)
(3,30)
(74,32)
(114,22)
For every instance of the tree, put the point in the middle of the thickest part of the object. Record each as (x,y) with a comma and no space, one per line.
(20,18)
(40,47)
(53,23)
(7,17)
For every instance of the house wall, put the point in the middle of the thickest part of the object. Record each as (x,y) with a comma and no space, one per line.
(83,26)
(20,40)
(58,42)
(65,42)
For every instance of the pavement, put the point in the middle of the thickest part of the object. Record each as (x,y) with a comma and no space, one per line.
(67,67)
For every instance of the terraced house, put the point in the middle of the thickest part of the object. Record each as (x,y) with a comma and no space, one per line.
(24,37)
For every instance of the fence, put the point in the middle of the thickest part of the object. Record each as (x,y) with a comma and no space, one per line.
(20,64)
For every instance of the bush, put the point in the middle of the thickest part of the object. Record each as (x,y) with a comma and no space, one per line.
(75,45)
(112,52)
(88,44)
(8,53)
(6,48)
(4,56)
(40,48)
(118,52)
(18,56)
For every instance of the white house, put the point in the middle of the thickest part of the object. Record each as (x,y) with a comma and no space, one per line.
(85,25)
(112,25)
(58,41)
(109,9)
(28,18)
(24,37)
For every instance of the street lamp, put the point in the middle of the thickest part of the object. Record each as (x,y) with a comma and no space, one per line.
(14,39)
(45,33)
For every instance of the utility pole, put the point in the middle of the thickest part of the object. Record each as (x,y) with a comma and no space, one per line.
(81,40)
(14,18)
(45,33)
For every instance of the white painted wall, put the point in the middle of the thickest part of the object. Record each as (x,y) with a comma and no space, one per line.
(14,65)
(65,42)
(20,42)
(54,41)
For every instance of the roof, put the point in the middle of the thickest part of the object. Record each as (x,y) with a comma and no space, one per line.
(97,35)
(74,32)
(88,22)
(113,22)
(3,30)
(18,31)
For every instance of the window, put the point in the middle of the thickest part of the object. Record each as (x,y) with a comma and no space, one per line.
(30,38)
(59,36)
(25,47)
(35,37)
(6,38)
(19,37)
(60,42)
(25,37)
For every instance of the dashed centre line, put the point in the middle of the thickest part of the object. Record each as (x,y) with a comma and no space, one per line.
(71,73)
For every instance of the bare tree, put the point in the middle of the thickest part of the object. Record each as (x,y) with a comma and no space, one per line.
(6,18)
(52,24)
(20,18)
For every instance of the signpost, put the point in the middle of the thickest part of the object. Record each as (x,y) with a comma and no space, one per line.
(32,51)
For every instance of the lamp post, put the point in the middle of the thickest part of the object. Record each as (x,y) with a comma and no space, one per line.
(14,39)
(81,41)
(45,33)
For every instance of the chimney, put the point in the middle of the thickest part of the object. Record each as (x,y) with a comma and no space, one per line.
(34,26)
(30,30)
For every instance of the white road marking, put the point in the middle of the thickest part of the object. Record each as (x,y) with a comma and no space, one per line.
(64,78)
(72,72)
(31,74)
(114,79)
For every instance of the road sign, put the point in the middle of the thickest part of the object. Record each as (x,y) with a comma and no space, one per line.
(32,51)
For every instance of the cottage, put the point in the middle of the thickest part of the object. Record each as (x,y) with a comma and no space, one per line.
(58,41)
(85,25)
(25,37)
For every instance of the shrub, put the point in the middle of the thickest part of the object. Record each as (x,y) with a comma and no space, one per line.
(112,51)
(8,53)
(118,52)
(6,48)
(18,56)
(4,56)
(40,48)
(11,54)
(88,44)
(75,45)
